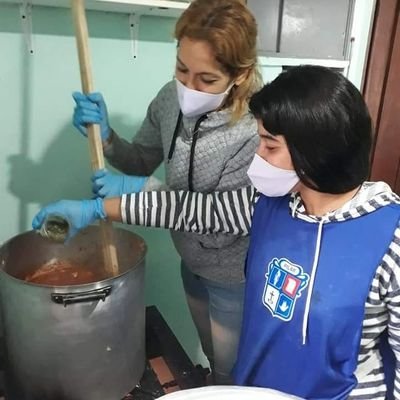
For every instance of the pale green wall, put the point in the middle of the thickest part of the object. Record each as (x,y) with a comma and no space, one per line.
(42,158)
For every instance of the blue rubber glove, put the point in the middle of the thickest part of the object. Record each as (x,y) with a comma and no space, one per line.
(106,184)
(91,109)
(79,214)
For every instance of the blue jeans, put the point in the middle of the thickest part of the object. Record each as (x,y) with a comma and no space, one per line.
(217,313)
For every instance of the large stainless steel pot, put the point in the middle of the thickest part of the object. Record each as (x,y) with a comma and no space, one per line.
(80,342)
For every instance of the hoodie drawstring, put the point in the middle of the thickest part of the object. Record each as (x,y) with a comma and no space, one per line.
(312,279)
(296,203)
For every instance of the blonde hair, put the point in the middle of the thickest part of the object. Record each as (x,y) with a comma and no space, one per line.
(231,30)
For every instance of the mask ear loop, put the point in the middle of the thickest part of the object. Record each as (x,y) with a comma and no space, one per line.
(229,88)
(227,92)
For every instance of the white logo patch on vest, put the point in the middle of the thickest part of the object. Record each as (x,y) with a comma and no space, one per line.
(284,284)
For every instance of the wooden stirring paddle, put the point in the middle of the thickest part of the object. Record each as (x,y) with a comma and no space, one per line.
(95,145)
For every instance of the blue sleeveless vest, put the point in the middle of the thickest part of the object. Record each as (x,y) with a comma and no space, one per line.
(278,269)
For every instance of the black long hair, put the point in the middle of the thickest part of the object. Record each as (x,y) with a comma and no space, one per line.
(326,125)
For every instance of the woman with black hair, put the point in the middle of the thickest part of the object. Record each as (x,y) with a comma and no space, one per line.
(321,317)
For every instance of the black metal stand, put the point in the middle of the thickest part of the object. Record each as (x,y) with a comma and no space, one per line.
(161,342)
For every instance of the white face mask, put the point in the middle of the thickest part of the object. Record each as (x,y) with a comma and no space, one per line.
(194,102)
(270,180)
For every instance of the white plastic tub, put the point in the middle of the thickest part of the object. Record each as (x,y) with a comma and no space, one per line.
(229,393)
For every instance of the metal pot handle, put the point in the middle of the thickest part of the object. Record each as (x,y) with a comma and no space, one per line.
(79,297)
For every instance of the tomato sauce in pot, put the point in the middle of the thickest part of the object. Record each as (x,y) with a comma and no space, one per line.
(63,273)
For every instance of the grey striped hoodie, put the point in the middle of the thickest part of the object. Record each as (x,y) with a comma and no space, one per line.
(232,212)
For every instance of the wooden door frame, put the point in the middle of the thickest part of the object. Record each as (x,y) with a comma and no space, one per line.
(383,100)
(380,51)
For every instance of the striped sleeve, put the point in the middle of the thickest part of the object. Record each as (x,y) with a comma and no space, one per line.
(382,311)
(391,261)
(204,213)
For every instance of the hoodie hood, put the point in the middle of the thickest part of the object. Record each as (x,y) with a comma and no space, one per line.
(371,197)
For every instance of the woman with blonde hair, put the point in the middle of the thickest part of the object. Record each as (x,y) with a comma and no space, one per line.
(199,125)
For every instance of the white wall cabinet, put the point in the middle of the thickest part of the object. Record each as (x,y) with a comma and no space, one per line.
(162,8)
(304,28)
(324,32)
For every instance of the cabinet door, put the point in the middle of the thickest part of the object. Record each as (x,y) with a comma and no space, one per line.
(303,28)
